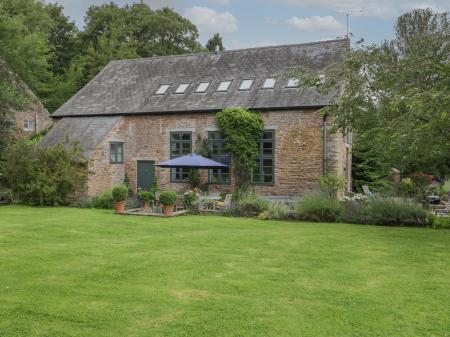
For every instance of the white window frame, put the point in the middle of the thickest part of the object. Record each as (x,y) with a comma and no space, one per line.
(182,87)
(266,81)
(224,86)
(293,83)
(202,87)
(28,124)
(162,90)
(246,87)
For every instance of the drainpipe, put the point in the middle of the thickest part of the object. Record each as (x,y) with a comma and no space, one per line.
(324,149)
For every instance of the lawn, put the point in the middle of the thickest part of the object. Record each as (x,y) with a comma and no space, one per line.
(74,272)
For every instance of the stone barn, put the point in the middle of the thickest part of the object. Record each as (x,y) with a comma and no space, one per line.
(136,113)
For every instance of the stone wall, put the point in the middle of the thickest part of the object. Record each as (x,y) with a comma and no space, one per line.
(298,150)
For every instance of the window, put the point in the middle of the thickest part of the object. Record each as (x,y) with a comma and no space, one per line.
(116,152)
(202,87)
(180,145)
(28,125)
(162,89)
(269,83)
(246,84)
(181,89)
(223,86)
(264,170)
(293,83)
(218,153)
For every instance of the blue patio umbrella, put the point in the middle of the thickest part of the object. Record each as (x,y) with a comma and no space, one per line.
(191,161)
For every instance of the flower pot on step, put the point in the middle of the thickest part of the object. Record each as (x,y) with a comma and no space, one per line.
(120,207)
(168,210)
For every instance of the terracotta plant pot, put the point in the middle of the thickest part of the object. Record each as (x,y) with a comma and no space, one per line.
(120,206)
(168,210)
(146,205)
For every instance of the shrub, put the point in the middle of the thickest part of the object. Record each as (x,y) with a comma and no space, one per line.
(127,183)
(104,200)
(330,184)
(320,208)
(84,202)
(276,211)
(249,205)
(133,201)
(440,221)
(147,196)
(392,212)
(168,198)
(189,198)
(120,193)
(43,176)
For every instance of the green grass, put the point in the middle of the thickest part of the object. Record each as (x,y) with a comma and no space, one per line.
(74,272)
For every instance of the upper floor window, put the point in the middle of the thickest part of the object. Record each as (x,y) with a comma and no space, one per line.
(28,124)
(202,87)
(264,171)
(269,83)
(246,85)
(293,83)
(224,86)
(116,152)
(180,145)
(219,154)
(162,89)
(181,89)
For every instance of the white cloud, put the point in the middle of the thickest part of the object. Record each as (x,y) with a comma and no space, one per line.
(321,23)
(209,21)
(386,9)
(238,44)
(220,2)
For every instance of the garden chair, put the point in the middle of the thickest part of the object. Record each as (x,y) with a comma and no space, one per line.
(221,205)
(367,191)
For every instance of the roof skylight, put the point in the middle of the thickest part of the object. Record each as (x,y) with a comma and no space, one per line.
(246,85)
(224,85)
(269,83)
(181,89)
(293,83)
(162,89)
(202,87)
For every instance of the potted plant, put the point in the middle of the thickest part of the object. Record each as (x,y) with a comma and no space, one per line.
(168,200)
(148,197)
(120,195)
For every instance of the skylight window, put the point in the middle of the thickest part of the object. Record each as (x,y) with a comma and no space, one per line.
(181,89)
(223,86)
(269,83)
(293,83)
(162,89)
(246,84)
(202,87)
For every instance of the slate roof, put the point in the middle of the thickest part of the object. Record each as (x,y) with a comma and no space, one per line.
(88,132)
(128,86)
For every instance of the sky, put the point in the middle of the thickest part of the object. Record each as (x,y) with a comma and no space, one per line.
(254,23)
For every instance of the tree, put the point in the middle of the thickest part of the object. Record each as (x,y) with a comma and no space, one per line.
(214,43)
(114,32)
(396,94)
(48,175)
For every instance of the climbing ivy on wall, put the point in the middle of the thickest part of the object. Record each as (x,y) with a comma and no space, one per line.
(241,130)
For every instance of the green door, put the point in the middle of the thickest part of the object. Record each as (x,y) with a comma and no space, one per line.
(145,174)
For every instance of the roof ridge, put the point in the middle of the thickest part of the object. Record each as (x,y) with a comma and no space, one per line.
(227,51)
